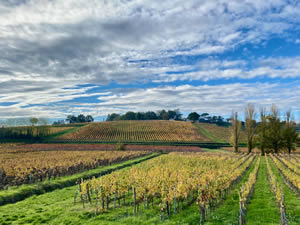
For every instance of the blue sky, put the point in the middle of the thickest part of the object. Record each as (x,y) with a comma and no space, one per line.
(98,57)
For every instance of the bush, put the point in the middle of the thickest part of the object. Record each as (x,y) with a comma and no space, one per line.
(121,147)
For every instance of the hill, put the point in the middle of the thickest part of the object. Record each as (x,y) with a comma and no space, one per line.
(219,134)
(138,131)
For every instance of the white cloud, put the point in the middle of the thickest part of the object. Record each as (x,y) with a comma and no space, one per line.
(49,45)
(218,99)
(93,40)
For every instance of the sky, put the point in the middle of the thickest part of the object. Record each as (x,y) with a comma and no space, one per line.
(102,56)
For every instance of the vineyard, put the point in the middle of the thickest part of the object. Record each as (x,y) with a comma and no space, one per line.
(173,180)
(138,131)
(188,187)
(31,132)
(102,147)
(22,167)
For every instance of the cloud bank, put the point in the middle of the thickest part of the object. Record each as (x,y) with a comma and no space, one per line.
(57,51)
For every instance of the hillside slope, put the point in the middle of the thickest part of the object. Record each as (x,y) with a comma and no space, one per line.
(138,131)
(219,133)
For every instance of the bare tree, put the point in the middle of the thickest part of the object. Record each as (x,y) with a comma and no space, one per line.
(250,125)
(262,130)
(236,132)
(274,133)
(33,120)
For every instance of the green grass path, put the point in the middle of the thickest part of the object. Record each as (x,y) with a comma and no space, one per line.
(292,202)
(262,209)
(205,132)
(228,212)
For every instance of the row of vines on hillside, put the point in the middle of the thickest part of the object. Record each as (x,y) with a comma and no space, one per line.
(145,131)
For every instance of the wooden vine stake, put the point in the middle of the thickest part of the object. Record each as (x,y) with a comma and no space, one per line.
(134,201)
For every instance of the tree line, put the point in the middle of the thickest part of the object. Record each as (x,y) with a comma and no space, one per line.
(150,115)
(269,134)
(19,128)
(168,115)
(75,119)
(206,118)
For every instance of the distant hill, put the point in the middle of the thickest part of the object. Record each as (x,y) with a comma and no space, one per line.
(139,131)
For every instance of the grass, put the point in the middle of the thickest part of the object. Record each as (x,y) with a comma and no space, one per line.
(212,137)
(262,208)
(58,134)
(14,194)
(228,211)
(57,207)
(292,202)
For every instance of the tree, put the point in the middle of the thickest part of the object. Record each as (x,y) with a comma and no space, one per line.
(33,121)
(174,114)
(89,119)
(204,114)
(112,117)
(193,116)
(274,131)
(81,118)
(250,125)
(262,131)
(72,119)
(235,132)
(129,116)
(163,115)
(140,116)
(150,115)
(178,115)
(289,133)
(58,122)
(43,121)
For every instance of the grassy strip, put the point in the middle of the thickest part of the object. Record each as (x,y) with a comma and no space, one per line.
(58,134)
(199,144)
(228,212)
(15,194)
(292,202)
(216,150)
(217,140)
(262,208)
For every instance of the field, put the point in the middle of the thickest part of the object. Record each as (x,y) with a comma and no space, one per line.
(138,131)
(142,172)
(140,187)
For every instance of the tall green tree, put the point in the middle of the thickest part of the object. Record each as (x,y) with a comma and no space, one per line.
(250,125)
(193,116)
(235,132)
(289,134)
